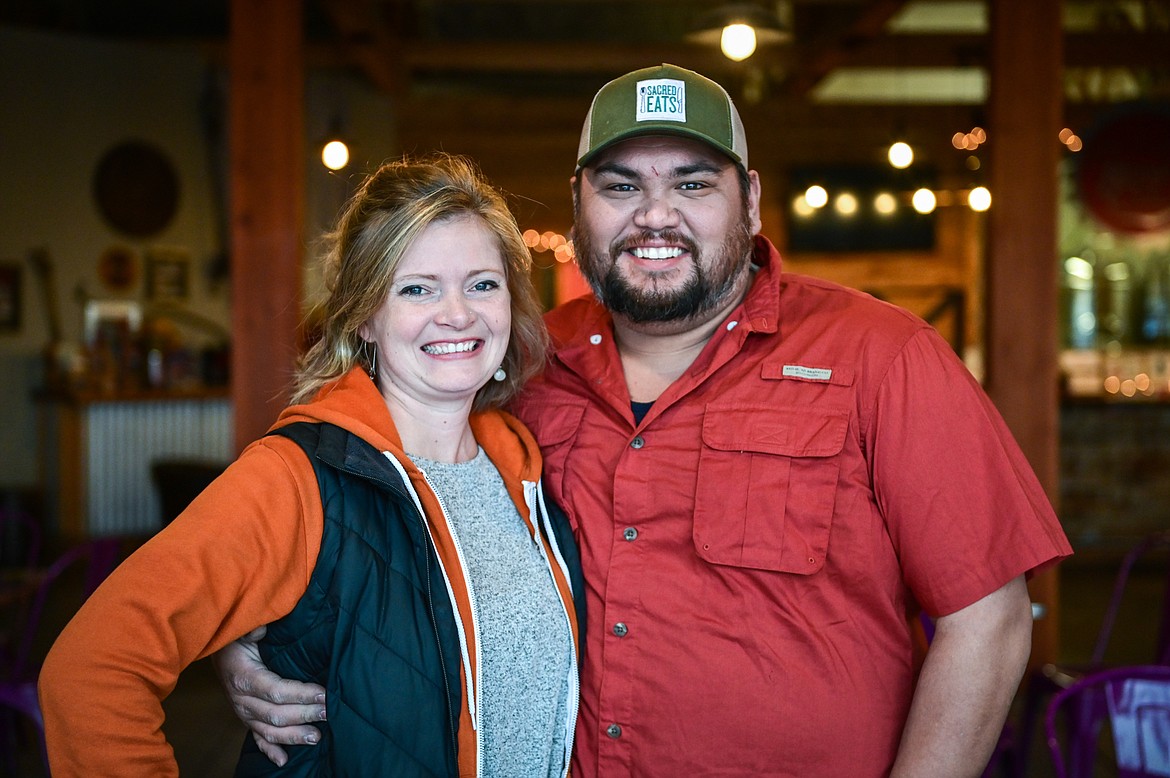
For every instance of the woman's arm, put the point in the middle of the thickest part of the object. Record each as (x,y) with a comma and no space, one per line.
(238,557)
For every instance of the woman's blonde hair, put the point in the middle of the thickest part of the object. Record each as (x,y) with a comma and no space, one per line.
(376,228)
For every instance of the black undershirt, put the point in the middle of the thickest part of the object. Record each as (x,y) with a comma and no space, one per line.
(640,410)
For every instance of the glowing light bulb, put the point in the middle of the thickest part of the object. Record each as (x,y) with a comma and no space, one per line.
(335,155)
(845,204)
(901,155)
(738,41)
(979,199)
(816,196)
(924,201)
(885,204)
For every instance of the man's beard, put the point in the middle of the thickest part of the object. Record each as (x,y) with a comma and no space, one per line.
(705,290)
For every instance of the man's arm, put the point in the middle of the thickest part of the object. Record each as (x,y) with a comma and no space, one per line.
(277,711)
(970,675)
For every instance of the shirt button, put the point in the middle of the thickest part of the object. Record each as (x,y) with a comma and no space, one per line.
(620,629)
(732,325)
(637,442)
(630,533)
(614,731)
(594,339)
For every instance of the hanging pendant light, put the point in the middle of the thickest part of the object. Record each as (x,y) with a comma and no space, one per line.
(739,28)
(335,154)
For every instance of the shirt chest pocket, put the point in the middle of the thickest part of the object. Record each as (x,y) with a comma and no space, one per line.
(767,486)
(555,427)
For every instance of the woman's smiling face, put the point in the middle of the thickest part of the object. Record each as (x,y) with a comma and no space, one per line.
(443,328)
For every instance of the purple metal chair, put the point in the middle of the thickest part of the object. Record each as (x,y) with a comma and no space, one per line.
(20,668)
(1150,543)
(1050,679)
(20,544)
(1136,703)
(20,539)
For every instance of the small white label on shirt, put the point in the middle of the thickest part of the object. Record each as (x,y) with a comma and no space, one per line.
(807,373)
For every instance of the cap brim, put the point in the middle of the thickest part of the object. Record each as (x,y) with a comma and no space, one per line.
(657,128)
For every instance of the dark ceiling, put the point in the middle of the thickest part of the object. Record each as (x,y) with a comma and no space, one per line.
(528,52)
(559,46)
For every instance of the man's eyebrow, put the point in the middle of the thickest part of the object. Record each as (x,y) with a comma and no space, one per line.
(697,167)
(614,169)
(682,171)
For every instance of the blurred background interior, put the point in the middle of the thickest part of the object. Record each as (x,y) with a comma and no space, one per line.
(1000,168)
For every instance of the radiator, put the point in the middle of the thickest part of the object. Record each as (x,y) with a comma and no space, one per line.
(123,439)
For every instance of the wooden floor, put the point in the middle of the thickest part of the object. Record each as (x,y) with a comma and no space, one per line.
(206,735)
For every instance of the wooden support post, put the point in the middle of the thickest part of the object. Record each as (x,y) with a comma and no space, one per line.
(1025,109)
(267,195)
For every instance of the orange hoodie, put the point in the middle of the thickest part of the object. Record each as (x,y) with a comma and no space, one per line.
(239,556)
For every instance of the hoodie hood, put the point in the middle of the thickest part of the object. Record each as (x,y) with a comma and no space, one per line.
(354,403)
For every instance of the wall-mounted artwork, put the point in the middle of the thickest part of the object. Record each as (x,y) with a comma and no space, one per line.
(168,274)
(136,188)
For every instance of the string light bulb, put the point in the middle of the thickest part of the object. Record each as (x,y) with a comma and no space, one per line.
(979,199)
(900,154)
(816,196)
(924,201)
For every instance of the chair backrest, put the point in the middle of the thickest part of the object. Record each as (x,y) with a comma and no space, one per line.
(100,557)
(1152,542)
(1136,703)
(20,539)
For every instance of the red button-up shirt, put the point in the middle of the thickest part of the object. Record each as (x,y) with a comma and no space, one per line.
(753,547)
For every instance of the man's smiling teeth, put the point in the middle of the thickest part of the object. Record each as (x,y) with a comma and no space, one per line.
(663,252)
(450,348)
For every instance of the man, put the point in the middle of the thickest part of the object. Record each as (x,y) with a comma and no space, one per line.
(767,474)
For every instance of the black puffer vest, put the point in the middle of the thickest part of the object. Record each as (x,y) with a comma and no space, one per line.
(375,627)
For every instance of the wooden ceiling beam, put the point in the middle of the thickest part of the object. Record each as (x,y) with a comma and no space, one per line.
(835,50)
(563,58)
(1104,50)
(413,58)
(369,42)
(520,115)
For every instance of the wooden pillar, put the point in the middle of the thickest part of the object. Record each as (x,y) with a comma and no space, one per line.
(267,195)
(1025,109)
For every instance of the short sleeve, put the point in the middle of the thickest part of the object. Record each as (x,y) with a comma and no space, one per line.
(962,505)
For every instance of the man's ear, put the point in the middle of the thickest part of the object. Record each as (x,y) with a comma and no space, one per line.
(573,183)
(754,201)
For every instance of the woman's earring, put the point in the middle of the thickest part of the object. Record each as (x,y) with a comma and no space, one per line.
(500,375)
(373,371)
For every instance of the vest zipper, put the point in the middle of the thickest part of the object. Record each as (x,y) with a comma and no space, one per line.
(472,694)
(473,698)
(439,645)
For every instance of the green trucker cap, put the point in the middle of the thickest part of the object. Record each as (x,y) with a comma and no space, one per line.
(663,100)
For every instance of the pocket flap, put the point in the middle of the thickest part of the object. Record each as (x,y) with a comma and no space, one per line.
(553,424)
(783,430)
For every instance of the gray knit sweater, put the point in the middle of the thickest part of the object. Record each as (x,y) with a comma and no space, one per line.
(524,638)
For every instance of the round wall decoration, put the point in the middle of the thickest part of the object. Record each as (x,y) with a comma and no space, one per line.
(136,188)
(1123,174)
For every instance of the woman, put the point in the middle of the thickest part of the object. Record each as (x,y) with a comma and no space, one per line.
(389,529)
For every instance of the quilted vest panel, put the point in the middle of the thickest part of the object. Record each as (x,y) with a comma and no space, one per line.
(375,627)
